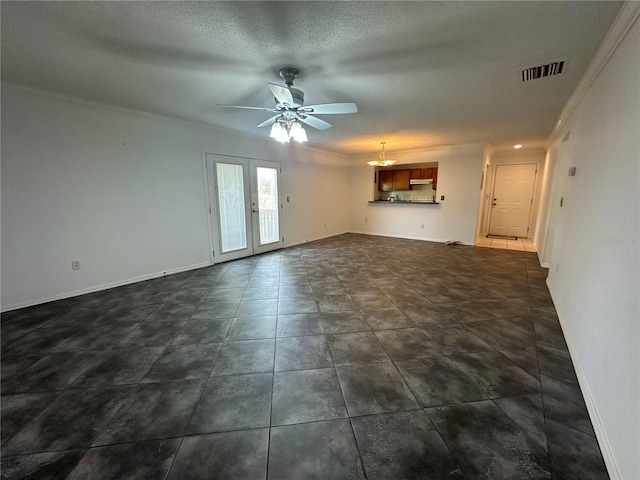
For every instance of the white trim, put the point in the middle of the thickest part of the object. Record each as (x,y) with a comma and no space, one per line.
(598,425)
(408,237)
(209,209)
(106,286)
(626,18)
(314,239)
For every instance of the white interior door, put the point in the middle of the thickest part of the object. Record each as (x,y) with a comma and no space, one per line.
(512,200)
(244,206)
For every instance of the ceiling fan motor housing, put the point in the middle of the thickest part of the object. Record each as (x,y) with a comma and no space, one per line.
(298,97)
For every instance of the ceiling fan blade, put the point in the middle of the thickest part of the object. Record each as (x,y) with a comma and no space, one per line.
(314,122)
(330,108)
(264,109)
(282,94)
(271,121)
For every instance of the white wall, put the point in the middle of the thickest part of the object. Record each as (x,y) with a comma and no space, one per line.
(511,157)
(595,260)
(459,176)
(124,193)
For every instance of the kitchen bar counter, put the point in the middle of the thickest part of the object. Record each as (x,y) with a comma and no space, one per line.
(418,202)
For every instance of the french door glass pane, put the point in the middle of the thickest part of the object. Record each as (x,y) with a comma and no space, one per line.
(233,228)
(268,205)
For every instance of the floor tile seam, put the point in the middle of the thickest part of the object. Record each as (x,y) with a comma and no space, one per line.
(273,379)
(6,380)
(358,448)
(28,454)
(47,322)
(173,460)
(542,395)
(186,424)
(335,369)
(310,422)
(135,441)
(571,384)
(452,452)
(544,406)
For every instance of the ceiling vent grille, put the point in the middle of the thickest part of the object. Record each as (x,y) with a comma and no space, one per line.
(540,71)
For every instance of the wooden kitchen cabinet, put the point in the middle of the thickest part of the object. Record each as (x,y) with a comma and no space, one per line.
(401,180)
(434,185)
(392,180)
(385,180)
(415,173)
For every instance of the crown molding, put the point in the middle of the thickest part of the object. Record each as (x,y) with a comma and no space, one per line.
(624,21)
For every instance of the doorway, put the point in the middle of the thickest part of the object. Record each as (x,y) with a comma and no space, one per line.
(512,200)
(244,196)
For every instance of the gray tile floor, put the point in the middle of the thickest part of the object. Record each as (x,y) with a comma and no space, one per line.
(352,357)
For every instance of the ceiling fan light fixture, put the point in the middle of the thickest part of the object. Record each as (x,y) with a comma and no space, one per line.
(382,161)
(279,133)
(298,133)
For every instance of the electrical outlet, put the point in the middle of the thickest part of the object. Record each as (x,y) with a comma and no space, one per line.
(421,227)
(325,224)
(75,264)
(557,267)
(366,220)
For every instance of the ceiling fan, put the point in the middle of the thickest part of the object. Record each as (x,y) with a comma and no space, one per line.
(290,111)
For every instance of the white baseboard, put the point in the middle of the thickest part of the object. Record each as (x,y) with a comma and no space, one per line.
(592,407)
(313,239)
(408,237)
(104,286)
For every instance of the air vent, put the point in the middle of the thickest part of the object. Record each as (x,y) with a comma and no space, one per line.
(542,71)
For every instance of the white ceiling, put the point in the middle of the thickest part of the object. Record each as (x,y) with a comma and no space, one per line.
(422,73)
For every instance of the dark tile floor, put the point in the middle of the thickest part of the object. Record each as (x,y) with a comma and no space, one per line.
(352,357)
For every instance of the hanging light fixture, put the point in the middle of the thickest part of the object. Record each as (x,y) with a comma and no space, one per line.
(382,161)
(286,129)
(297,132)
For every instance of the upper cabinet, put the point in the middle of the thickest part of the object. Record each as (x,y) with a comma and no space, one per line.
(415,173)
(399,179)
(423,173)
(392,180)
(385,180)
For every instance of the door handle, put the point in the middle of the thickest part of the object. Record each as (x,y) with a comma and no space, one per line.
(254,211)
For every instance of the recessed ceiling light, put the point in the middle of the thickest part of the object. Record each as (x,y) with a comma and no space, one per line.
(517,147)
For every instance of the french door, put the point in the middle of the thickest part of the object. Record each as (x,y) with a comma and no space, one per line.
(245,206)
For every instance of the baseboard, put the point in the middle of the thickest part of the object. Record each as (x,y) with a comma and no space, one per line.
(314,239)
(407,237)
(105,286)
(589,400)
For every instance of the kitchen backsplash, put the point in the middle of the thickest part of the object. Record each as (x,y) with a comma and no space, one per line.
(418,192)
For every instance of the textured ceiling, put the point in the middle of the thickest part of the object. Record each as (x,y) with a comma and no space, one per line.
(422,73)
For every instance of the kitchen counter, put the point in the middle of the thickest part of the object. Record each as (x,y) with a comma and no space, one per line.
(418,202)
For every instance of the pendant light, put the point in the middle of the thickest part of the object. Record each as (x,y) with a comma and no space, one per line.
(382,161)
